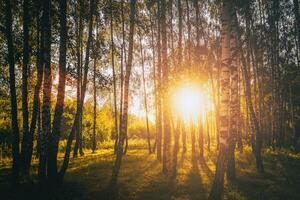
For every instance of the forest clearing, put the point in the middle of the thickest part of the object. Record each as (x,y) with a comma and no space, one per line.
(141,178)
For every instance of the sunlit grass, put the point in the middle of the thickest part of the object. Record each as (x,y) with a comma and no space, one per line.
(141,176)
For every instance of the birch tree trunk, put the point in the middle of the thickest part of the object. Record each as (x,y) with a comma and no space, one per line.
(84,86)
(145,96)
(218,183)
(234,98)
(122,135)
(95,105)
(159,85)
(113,70)
(253,119)
(165,91)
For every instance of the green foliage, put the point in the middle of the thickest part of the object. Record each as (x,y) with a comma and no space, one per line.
(104,121)
(137,127)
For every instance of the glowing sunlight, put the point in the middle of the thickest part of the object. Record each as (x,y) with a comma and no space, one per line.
(191,101)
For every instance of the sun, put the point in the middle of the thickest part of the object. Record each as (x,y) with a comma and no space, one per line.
(190,101)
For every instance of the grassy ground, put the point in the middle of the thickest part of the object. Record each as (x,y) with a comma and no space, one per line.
(141,177)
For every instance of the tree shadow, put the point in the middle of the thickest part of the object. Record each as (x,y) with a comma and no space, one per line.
(182,158)
(280,180)
(194,185)
(206,169)
(157,190)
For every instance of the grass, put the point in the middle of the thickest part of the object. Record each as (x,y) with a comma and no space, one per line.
(141,177)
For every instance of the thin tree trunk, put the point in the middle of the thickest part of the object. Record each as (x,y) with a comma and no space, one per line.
(201,137)
(13,95)
(170,36)
(159,86)
(80,127)
(25,141)
(193,142)
(176,147)
(189,36)
(39,128)
(59,107)
(84,86)
(253,119)
(197,31)
(297,21)
(80,145)
(47,86)
(165,92)
(122,135)
(183,130)
(123,58)
(178,127)
(208,133)
(95,105)
(239,116)
(36,98)
(179,34)
(113,70)
(79,54)
(145,95)
(154,83)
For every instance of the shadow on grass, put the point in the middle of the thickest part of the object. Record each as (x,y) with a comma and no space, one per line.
(182,158)
(194,185)
(141,178)
(206,169)
(280,181)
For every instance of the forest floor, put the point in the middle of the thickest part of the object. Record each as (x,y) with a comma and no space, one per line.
(141,177)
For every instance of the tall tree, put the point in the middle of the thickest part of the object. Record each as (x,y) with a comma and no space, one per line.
(79,55)
(165,90)
(25,117)
(253,118)
(35,116)
(96,51)
(94,107)
(218,183)
(59,107)
(176,147)
(201,138)
(113,70)
(159,85)
(154,79)
(122,135)
(193,143)
(123,59)
(297,21)
(234,98)
(84,86)
(188,35)
(179,67)
(47,86)
(179,34)
(13,95)
(145,95)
